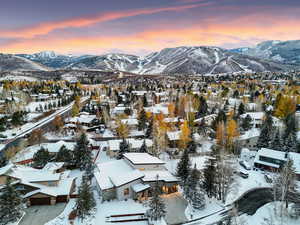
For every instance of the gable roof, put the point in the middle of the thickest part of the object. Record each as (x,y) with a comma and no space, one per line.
(142,158)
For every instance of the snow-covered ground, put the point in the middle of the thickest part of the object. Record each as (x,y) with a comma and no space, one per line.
(32,106)
(102,211)
(266,215)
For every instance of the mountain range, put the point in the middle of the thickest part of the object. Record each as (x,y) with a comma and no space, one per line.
(266,56)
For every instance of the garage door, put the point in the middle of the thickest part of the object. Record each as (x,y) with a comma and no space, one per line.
(40,201)
(62,198)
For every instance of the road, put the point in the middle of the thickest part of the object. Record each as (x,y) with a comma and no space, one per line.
(39,215)
(41,123)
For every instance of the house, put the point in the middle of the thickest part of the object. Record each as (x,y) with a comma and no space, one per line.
(249,139)
(258,118)
(274,160)
(134,145)
(133,176)
(83,120)
(25,157)
(173,138)
(39,186)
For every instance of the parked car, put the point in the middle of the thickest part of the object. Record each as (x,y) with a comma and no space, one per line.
(268,178)
(245,165)
(243,174)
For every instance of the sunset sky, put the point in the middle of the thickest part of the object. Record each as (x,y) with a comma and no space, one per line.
(142,26)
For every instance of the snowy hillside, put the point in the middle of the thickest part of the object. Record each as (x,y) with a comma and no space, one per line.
(17,63)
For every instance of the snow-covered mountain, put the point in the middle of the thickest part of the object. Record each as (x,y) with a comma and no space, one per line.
(282,51)
(189,60)
(10,62)
(51,59)
(180,60)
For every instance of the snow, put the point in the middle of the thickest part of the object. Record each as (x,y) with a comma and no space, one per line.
(142,158)
(266,215)
(212,206)
(32,106)
(102,212)
(18,78)
(115,173)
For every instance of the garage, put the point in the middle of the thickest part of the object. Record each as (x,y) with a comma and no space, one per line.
(61,198)
(40,201)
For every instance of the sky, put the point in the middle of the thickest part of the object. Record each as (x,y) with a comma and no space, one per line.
(142,26)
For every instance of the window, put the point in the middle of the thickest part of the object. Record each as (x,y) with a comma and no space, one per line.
(126,191)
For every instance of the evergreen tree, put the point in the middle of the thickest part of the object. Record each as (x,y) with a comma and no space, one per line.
(192,146)
(10,204)
(85,202)
(157,207)
(191,184)
(183,167)
(142,120)
(145,102)
(82,154)
(64,155)
(198,200)
(291,143)
(124,147)
(143,148)
(266,133)
(203,107)
(241,109)
(149,129)
(3,161)
(276,143)
(41,158)
(246,123)
(209,174)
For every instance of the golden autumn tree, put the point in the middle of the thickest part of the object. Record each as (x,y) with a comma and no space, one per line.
(285,106)
(220,134)
(171,109)
(122,129)
(231,132)
(75,110)
(185,135)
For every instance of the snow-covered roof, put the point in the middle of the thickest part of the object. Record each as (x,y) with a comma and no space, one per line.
(115,173)
(157,109)
(142,158)
(5,169)
(63,188)
(130,122)
(174,135)
(270,153)
(81,119)
(162,175)
(254,132)
(51,166)
(140,187)
(28,174)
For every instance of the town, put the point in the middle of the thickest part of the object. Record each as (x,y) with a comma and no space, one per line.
(150,149)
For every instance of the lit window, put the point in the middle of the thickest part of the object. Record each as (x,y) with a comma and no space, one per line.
(126,191)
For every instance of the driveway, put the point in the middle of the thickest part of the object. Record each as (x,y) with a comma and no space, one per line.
(175,207)
(39,215)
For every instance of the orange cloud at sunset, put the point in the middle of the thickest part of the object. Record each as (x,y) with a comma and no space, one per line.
(46,28)
(208,33)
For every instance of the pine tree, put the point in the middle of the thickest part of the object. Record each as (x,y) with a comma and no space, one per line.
(145,102)
(192,146)
(209,174)
(124,147)
(64,155)
(10,204)
(85,202)
(266,133)
(198,200)
(191,184)
(143,148)
(246,123)
(157,207)
(82,154)
(142,120)
(241,109)
(41,158)
(276,143)
(149,130)
(183,167)
(3,161)
(291,143)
